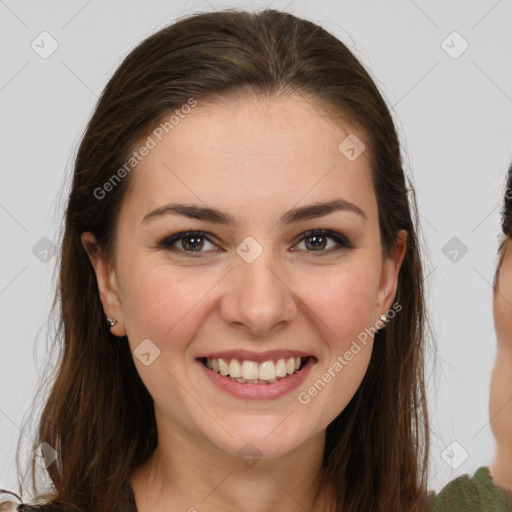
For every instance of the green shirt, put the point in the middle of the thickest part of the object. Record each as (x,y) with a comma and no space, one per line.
(477,494)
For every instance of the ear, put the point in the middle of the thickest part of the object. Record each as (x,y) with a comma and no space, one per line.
(389,274)
(107,283)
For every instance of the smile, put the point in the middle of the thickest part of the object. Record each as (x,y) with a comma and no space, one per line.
(280,376)
(252,372)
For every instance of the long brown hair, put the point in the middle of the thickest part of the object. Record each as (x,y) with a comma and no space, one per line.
(98,415)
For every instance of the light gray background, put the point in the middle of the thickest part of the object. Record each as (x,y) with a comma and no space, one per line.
(454,116)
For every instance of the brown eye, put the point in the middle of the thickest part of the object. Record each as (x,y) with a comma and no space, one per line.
(187,241)
(317,241)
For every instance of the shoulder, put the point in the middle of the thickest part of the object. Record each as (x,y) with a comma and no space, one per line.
(476,494)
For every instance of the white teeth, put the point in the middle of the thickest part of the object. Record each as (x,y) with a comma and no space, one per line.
(223,367)
(252,372)
(267,371)
(235,368)
(281,368)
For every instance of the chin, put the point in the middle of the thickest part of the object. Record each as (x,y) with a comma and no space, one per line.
(263,441)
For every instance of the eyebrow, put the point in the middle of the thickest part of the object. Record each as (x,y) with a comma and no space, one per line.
(311,211)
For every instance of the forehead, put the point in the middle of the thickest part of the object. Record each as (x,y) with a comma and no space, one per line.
(250,151)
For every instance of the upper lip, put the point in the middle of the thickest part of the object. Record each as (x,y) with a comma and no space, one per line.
(258,357)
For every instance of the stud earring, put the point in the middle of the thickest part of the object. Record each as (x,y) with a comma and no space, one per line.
(111,322)
(384,320)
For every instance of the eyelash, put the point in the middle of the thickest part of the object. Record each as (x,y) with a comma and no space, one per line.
(168,241)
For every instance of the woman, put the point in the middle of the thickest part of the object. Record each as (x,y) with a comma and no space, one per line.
(490,489)
(219,354)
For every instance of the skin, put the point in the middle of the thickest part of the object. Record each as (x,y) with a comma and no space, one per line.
(255,159)
(500,404)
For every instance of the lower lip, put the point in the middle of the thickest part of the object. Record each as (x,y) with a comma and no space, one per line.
(259,391)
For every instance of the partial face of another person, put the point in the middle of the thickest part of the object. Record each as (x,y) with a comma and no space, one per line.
(503,298)
(500,404)
(268,283)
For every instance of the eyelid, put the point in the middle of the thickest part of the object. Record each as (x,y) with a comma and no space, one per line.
(168,241)
(342,241)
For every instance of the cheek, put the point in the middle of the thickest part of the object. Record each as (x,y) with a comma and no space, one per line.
(349,311)
(346,330)
(500,405)
(345,316)
(345,300)
(159,301)
(503,316)
(503,304)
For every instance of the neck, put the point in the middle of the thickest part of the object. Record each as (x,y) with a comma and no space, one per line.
(190,474)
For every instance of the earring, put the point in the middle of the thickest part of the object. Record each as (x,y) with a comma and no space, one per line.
(384,319)
(111,322)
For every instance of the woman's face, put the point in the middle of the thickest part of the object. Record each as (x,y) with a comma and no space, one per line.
(500,405)
(256,289)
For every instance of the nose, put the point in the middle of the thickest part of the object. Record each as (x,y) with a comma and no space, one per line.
(258,297)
